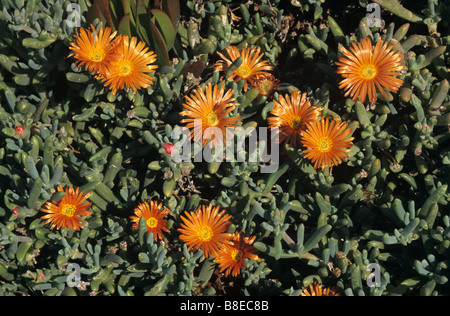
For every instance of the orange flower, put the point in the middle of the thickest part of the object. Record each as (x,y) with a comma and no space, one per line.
(291,114)
(328,142)
(207,113)
(251,68)
(95,50)
(316,290)
(266,85)
(130,70)
(231,257)
(154,216)
(67,212)
(367,69)
(205,228)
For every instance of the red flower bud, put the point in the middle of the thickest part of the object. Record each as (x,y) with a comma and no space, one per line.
(19,130)
(169,148)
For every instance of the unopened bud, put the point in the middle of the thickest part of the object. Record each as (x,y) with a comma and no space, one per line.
(169,148)
(19,130)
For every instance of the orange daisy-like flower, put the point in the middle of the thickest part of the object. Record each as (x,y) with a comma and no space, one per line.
(317,290)
(251,68)
(131,69)
(291,114)
(205,229)
(207,113)
(266,85)
(367,69)
(95,50)
(328,142)
(154,216)
(67,212)
(231,257)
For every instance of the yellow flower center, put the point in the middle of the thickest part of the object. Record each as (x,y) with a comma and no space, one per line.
(368,72)
(205,233)
(212,119)
(152,222)
(237,255)
(266,87)
(324,144)
(296,122)
(68,210)
(97,55)
(124,68)
(244,71)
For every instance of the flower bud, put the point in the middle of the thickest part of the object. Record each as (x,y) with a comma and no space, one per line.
(169,148)
(20,131)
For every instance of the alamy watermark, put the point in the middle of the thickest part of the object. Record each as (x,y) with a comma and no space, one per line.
(261,143)
(374,15)
(374,278)
(74,278)
(74,18)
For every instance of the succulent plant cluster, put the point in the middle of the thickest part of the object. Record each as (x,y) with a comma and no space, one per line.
(386,204)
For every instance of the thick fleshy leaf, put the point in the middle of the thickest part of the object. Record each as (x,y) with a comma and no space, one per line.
(128,10)
(95,12)
(104,5)
(117,11)
(165,26)
(156,42)
(124,25)
(140,13)
(172,8)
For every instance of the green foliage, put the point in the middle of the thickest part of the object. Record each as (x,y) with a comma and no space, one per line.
(386,204)
(154,22)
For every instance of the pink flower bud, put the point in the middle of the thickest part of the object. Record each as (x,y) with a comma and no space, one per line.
(19,130)
(169,148)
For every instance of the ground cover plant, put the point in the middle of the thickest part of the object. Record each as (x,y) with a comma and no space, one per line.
(120,173)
